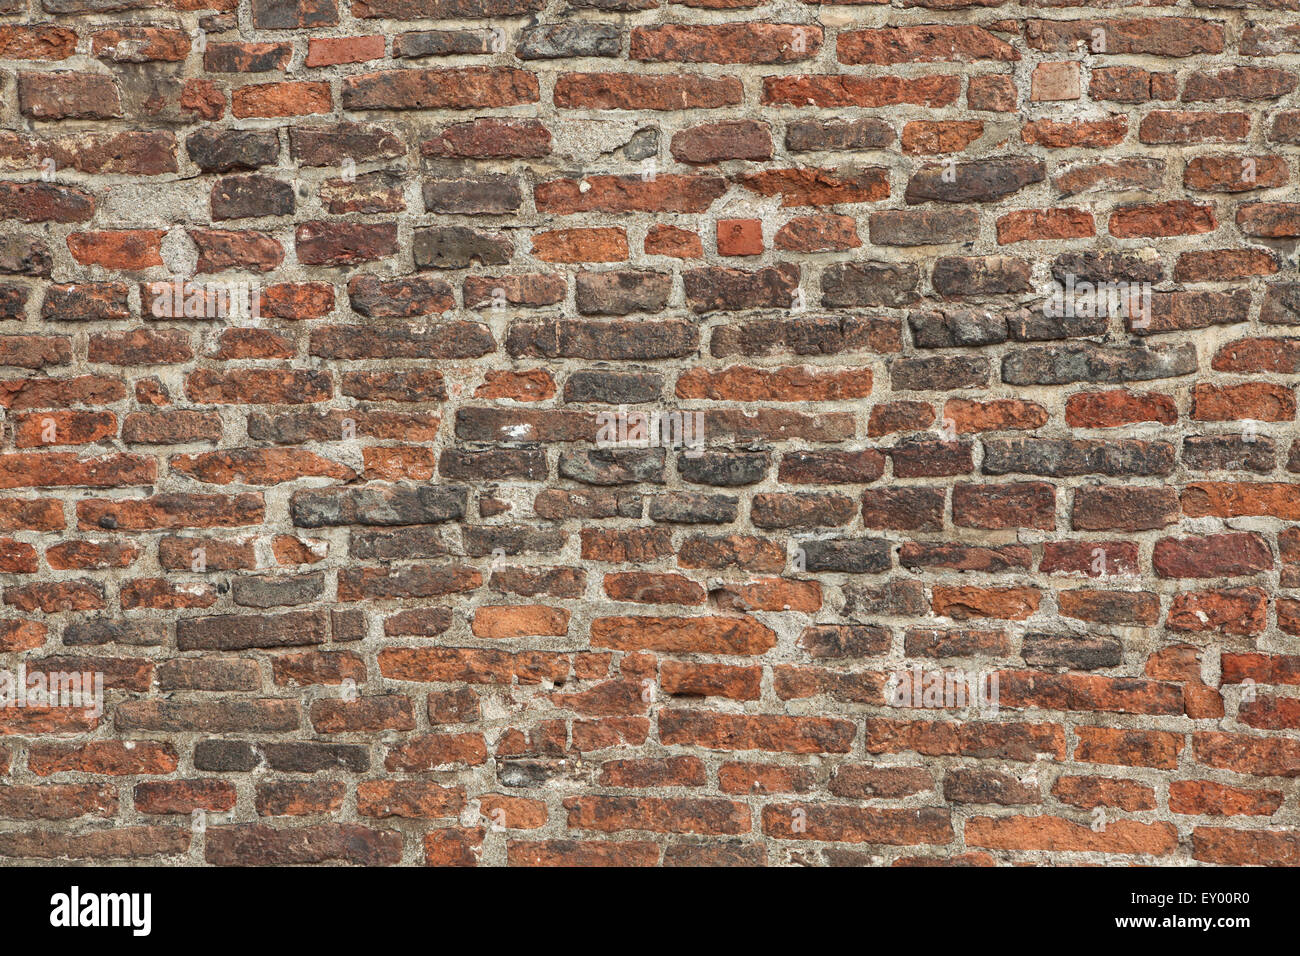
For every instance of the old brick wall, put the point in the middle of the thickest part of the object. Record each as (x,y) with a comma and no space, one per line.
(363,584)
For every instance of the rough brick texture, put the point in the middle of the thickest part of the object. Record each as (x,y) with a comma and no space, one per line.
(363,582)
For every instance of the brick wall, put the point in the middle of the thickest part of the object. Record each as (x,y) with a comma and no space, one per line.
(977,321)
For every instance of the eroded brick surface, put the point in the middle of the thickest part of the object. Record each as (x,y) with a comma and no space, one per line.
(364,578)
